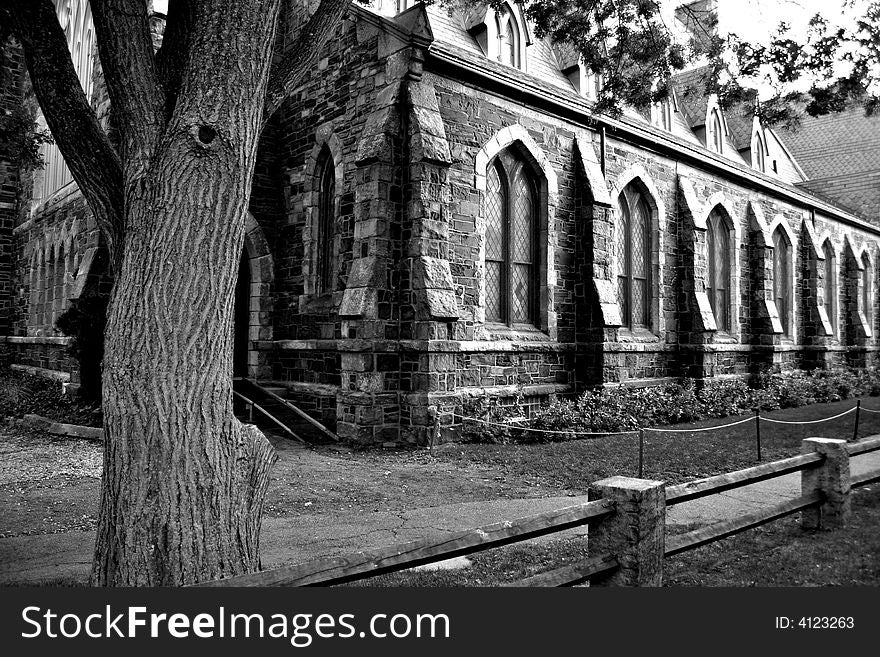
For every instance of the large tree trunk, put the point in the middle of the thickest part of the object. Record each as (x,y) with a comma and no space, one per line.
(184,481)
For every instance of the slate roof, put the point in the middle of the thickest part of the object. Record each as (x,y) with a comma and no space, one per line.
(835,144)
(811,146)
(690,90)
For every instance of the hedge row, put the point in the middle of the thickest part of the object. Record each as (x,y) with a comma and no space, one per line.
(623,408)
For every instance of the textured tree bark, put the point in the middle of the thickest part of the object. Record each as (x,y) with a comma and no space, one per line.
(184,481)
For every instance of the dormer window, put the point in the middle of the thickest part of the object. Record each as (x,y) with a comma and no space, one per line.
(586,83)
(663,114)
(501,34)
(715,133)
(758,152)
(508,38)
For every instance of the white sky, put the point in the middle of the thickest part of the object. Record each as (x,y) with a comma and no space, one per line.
(755,20)
(752,20)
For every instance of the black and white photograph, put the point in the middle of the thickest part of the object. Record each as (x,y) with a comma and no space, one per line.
(393,298)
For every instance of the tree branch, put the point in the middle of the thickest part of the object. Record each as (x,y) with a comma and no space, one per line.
(125,47)
(95,166)
(303,55)
(170,58)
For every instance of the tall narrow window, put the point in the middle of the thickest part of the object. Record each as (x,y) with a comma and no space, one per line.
(511,238)
(758,154)
(508,38)
(633,240)
(326,226)
(782,279)
(718,284)
(667,114)
(867,291)
(830,284)
(716,132)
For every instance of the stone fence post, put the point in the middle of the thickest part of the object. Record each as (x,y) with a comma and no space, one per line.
(831,480)
(635,533)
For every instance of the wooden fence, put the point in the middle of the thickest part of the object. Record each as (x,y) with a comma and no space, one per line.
(627,525)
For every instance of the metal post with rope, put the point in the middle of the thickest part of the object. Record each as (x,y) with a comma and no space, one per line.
(858,413)
(757,419)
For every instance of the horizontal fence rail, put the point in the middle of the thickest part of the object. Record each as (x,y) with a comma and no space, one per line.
(692,540)
(864,446)
(865,479)
(624,502)
(693,490)
(342,570)
(574,574)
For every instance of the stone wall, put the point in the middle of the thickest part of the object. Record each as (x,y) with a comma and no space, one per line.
(398,347)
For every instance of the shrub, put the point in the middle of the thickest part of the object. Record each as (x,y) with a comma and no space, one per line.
(22,393)
(620,408)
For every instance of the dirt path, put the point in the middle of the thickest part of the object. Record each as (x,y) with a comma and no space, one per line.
(319,502)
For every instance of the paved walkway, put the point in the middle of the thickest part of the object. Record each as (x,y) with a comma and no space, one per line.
(47,558)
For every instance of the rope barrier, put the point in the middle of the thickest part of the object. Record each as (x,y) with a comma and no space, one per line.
(827,419)
(720,426)
(655,429)
(551,431)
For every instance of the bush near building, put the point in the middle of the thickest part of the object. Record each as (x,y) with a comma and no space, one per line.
(622,408)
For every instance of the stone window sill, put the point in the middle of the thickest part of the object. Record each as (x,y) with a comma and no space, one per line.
(517,332)
(637,335)
(724,337)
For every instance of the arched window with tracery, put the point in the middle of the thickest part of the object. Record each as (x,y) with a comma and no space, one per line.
(718,283)
(326,223)
(782,282)
(511,259)
(633,256)
(830,283)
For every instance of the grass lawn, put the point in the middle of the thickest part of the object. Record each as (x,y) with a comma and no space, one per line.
(782,554)
(673,458)
(776,554)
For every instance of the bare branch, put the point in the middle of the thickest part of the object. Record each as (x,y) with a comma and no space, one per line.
(95,166)
(304,54)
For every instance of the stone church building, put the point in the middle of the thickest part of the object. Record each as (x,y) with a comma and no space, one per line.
(439,217)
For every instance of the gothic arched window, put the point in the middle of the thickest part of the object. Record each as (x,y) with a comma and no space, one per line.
(782,292)
(716,132)
(511,242)
(633,240)
(830,284)
(508,38)
(718,283)
(867,290)
(326,223)
(758,154)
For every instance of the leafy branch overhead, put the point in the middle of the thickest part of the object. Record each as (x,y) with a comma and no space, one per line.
(633,46)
